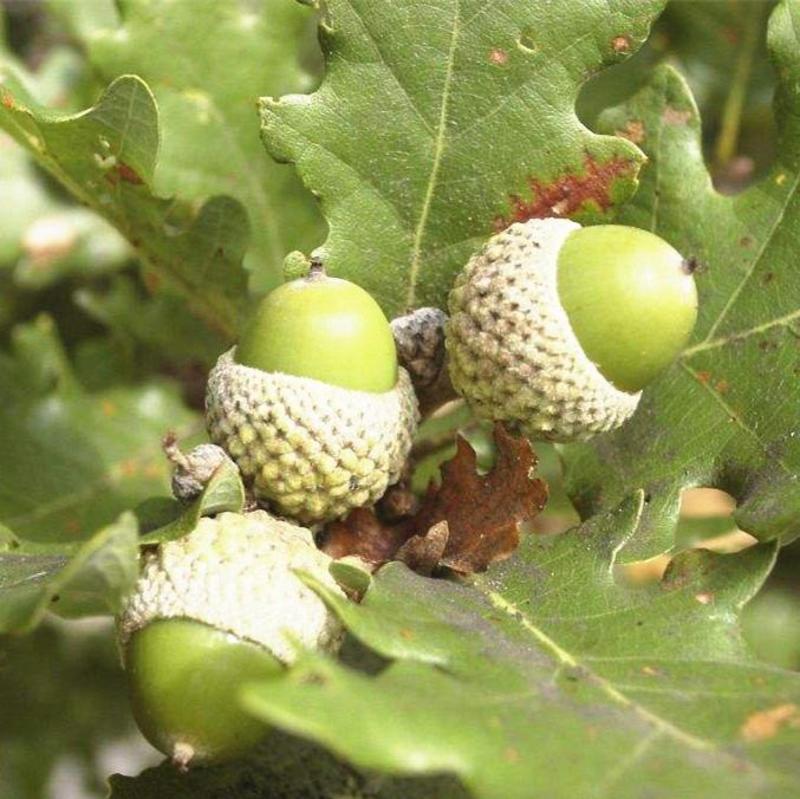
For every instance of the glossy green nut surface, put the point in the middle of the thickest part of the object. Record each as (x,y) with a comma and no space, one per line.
(325,328)
(184,678)
(630,298)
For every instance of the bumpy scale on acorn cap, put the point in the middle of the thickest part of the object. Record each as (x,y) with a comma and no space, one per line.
(327,436)
(211,611)
(514,353)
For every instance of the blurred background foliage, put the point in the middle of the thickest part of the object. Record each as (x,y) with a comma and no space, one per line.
(65,720)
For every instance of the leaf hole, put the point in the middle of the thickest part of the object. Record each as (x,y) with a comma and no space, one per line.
(705,521)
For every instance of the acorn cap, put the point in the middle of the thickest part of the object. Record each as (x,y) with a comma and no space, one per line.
(236,573)
(513,354)
(311,450)
(192,471)
(419,338)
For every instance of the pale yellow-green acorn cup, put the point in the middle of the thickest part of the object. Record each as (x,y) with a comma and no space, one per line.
(211,612)
(311,404)
(555,329)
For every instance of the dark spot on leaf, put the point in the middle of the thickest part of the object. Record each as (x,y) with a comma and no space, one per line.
(768,278)
(746,241)
(314,678)
(568,193)
(731,35)
(55,598)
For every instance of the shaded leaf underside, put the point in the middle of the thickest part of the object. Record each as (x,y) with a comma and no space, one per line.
(547,678)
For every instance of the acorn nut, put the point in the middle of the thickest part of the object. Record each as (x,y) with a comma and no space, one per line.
(311,404)
(555,329)
(214,610)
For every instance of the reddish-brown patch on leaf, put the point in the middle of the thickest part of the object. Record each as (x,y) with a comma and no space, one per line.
(766,724)
(151,281)
(498,57)
(466,523)
(7,100)
(703,377)
(731,35)
(674,116)
(621,44)
(567,194)
(123,172)
(633,131)
(722,387)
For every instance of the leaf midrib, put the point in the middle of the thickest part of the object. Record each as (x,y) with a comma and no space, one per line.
(439,147)
(565,658)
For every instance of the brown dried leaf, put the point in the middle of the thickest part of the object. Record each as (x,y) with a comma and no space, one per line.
(423,553)
(483,514)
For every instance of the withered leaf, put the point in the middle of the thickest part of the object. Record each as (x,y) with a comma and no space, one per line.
(483,514)
(424,553)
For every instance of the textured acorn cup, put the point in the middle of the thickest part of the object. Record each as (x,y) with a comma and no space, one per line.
(311,405)
(555,328)
(211,612)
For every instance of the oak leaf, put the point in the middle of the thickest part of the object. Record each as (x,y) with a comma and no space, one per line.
(466,523)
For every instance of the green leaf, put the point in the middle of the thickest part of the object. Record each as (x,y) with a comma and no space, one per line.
(726,415)
(206,79)
(106,158)
(35,578)
(42,237)
(547,678)
(224,492)
(64,702)
(436,123)
(72,461)
(159,324)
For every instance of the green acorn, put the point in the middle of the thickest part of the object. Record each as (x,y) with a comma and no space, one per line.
(311,404)
(556,329)
(212,611)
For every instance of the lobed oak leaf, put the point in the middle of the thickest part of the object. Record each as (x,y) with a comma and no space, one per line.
(465,524)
